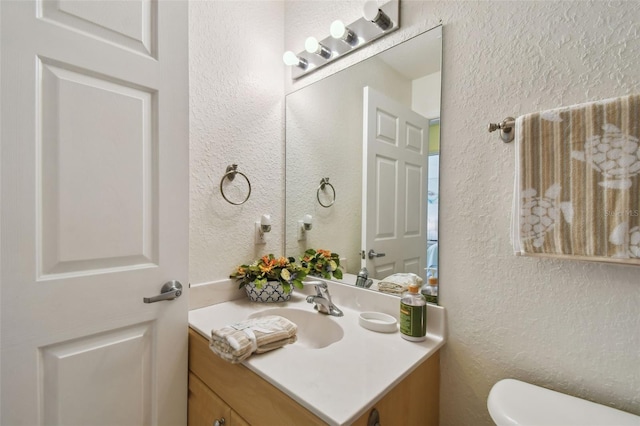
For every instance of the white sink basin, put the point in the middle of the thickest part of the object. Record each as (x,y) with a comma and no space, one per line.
(315,330)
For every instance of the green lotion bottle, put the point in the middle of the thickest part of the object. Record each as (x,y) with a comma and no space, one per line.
(413,315)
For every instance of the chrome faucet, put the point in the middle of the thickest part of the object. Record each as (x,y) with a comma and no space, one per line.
(322,300)
(363,279)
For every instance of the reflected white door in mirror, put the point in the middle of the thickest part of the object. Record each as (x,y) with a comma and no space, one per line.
(395,159)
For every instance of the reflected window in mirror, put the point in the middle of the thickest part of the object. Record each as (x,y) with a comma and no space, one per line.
(433,191)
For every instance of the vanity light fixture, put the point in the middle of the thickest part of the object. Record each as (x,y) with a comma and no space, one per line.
(372,13)
(262,227)
(292,60)
(312,45)
(304,226)
(340,31)
(377,22)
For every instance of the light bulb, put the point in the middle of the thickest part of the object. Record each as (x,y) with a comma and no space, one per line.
(337,29)
(340,31)
(371,10)
(312,45)
(290,58)
(294,60)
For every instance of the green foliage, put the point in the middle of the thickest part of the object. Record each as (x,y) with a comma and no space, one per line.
(317,263)
(322,263)
(270,268)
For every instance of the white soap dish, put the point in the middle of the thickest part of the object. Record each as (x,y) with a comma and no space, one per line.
(377,321)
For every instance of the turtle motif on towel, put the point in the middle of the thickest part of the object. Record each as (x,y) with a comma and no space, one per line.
(614,154)
(539,215)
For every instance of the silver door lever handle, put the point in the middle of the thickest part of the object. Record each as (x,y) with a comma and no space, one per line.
(373,254)
(169,291)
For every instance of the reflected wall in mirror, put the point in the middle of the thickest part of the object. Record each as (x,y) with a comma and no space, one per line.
(332,128)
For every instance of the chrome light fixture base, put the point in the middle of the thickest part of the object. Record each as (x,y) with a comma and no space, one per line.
(366,31)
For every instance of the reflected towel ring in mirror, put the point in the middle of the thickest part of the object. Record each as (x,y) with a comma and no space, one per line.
(324,182)
(232,171)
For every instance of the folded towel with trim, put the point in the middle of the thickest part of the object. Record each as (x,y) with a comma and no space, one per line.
(398,283)
(236,342)
(577,187)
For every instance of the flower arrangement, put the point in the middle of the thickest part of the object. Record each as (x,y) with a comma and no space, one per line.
(270,268)
(322,263)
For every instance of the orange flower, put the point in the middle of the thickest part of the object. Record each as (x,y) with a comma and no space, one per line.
(324,253)
(283,261)
(268,264)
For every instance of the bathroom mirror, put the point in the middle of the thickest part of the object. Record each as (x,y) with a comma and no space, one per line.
(331,202)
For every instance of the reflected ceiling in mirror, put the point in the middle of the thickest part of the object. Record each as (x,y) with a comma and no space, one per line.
(324,139)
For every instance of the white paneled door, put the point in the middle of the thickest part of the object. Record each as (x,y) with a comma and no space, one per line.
(396,153)
(94,212)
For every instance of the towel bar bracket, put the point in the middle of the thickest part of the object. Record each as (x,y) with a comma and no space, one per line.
(506,127)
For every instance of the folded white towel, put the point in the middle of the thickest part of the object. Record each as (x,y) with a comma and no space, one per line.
(398,283)
(236,342)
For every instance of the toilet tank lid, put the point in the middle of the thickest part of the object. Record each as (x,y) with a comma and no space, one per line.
(512,402)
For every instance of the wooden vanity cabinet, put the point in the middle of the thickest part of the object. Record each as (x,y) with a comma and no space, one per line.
(218,389)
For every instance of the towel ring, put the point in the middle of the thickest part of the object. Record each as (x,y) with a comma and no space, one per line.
(232,171)
(324,182)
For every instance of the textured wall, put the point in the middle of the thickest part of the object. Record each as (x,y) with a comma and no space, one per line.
(567,325)
(237,116)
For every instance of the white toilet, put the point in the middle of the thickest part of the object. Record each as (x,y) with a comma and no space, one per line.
(512,402)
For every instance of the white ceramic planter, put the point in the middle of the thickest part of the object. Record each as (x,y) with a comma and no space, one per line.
(270,292)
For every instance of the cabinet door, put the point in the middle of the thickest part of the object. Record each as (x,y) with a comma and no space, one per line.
(204,406)
(414,401)
(236,420)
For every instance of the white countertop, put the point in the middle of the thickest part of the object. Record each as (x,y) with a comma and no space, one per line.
(340,382)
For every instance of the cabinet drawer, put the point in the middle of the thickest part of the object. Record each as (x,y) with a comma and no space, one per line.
(204,406)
